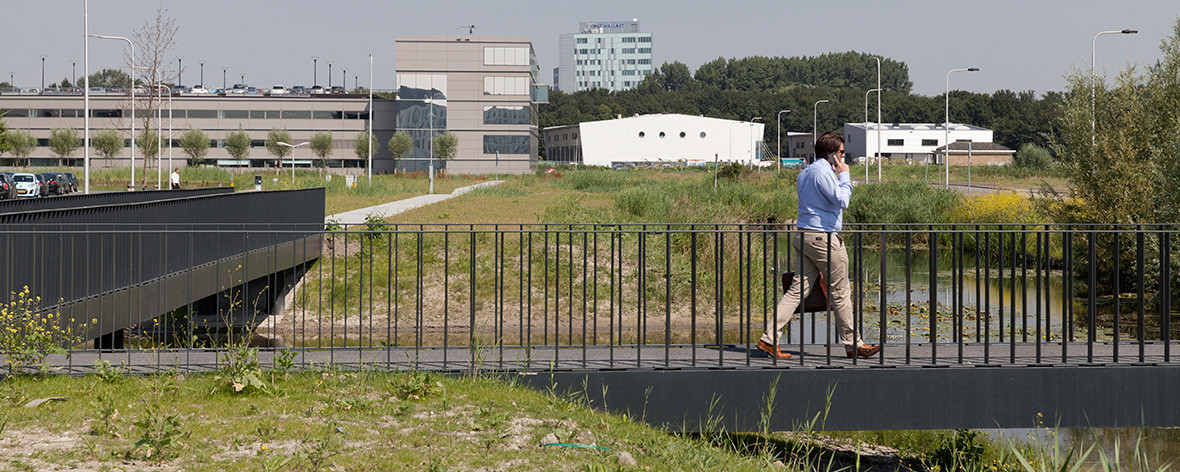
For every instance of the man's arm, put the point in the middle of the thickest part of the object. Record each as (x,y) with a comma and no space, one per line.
(837,189)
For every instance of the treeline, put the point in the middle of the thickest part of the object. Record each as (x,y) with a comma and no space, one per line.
(742,89)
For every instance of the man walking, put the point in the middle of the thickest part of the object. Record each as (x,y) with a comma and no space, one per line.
(174,177)
(824,190)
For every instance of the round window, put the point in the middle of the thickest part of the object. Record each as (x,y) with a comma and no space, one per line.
(641,134)
(702,134)
(682,134)
(661,134)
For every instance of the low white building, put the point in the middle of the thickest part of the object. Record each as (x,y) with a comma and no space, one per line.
(913,142)
(655,140)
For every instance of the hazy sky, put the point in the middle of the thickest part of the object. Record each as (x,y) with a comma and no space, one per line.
(1019,45)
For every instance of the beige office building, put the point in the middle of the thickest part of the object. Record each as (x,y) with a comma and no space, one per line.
(484,90)
(344,116)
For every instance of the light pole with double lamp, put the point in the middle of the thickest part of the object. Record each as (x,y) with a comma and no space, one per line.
(779,121)
(815,119)
(946,126)
(1094,78)
(292,146)
(132,56)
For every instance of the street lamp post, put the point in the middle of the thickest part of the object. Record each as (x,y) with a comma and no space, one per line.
(292,146)
(202,73)
(179,70)
(42,73)
(431,167)
(815,119)
(946,126)
(867,163)
(223,69)
(344,79)
(243,78)
(779,137)
(314,70)
(330,74)
(87,111)
(370,165)
(74,73)
(1094,78)
(878,153)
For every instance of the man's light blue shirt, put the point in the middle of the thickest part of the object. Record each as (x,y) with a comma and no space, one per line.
(823,196)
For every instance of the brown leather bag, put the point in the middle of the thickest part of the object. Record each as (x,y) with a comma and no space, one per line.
(816,301)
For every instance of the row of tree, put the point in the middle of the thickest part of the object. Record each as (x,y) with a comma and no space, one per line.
(195,143)
(743,89)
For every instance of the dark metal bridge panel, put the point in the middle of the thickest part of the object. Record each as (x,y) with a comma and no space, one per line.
(76,201)
(121,258)
(884,398)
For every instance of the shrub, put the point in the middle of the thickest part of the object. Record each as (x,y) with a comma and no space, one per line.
(28,335)
(994,208)
(899,202)
(1031,156)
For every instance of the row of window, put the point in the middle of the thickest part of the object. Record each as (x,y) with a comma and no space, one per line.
(901,142)
(626,83)
(662,134)
(627,39)
(495,85)
(493,144)
(218,143)
(505,115)
(502,56)
(191,114)
(586,52)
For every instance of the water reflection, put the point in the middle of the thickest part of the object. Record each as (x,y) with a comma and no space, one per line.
(1159,446)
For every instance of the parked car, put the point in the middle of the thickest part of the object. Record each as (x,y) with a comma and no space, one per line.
(278,90)
(27,185)
(337,89)
(299,89)
(52,185)
(198,89)
(7,186)
(318,89)
(237,88)
(69,176)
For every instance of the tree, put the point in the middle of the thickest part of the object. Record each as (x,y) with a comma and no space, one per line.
(63,142)
(108,78)
(273,138)
(399,145)
(445,145)
(21,144)
(4,146)
(322,144)
(1031,156)
(154,41)
(237,144)
(149,143)
(65,83)
(676,76)
(363,140)
(108,143)
(195,144)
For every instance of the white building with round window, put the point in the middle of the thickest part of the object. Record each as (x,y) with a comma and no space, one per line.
(655,140)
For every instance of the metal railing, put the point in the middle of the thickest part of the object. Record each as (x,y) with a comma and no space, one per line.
(557,297)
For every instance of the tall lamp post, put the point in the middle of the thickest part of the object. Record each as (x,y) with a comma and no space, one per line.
(223,69)
(179,70)
(370,165)
(292,146)
(330,74)
(779,137)
(946,126)
(1094,78)
(202,73)
(132,56)
(866,131)
(74,73)
(815,119)
(314,69)
(43,72)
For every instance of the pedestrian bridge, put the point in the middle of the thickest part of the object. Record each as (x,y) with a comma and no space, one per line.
(995,326)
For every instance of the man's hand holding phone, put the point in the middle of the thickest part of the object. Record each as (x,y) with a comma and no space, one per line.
(838,164)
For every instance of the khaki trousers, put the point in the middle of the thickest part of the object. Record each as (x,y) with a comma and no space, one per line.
(817,259)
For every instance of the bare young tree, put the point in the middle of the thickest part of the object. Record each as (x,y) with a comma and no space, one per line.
(154,41)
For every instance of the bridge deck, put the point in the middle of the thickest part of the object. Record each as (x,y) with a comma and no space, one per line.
(577,358)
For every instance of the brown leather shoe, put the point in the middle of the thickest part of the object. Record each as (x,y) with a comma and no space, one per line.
(773,350)
(864,351)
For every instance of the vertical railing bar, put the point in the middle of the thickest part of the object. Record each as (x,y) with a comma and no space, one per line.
(471,336)
(719,292)
(908,292)
(1067,294)
(960,273)
(1024,283)
(1118,299)
(829,321)
(1140,304)
(987,307)
(1012,303)
(1037,282)
(667,295)
(692,289)
(1092,302)
(556,298)
(528,359)
(978,315)
(933,296)
(765,278)
(748,262)
(1000,286)
(614,235)
(1166,292)
(641,298)
(585,304)
(595,290)
(419,299)
(884,300)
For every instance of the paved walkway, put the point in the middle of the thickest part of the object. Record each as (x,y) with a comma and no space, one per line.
(355,217)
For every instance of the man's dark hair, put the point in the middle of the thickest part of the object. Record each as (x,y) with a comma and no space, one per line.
(828,143)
